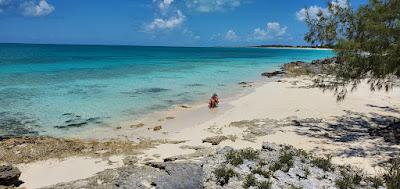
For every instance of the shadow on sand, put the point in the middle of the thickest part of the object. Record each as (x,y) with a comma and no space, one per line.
(355,127)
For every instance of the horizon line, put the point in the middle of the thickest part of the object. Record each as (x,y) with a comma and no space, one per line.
(173,46)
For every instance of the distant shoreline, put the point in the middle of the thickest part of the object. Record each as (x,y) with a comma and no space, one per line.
(294,47)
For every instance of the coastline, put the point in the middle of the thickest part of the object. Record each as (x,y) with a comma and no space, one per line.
(264,112)
(300,48)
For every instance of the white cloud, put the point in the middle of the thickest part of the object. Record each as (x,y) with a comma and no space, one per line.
(276,29)
(340,3)
(260,34)
(273,29)
(31,8)
(4,4)
(212,5)
(231,35)
(168,23)
(164,4)
(314,10)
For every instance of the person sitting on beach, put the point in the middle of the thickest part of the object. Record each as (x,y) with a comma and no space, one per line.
(213,103)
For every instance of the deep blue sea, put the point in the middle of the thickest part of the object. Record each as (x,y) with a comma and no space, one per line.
(51,89)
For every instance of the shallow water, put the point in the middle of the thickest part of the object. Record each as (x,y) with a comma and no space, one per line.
(56,89)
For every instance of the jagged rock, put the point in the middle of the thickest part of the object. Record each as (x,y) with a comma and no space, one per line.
(217,139)
(315,67)
(278,166)
(157,128)
(9,175)
(332,60)
(169,175)
(272,74)
(180,176)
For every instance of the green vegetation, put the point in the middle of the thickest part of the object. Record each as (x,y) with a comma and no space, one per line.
(392,175)
(323,163)
(249,180)
(261,172)
(236,157)
(306,172)
(366,41)
(350,178)
(295,187)
(223,175)
(376,181)
(264,185)
(284,163)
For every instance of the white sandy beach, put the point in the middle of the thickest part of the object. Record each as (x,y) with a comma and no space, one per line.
(267,100)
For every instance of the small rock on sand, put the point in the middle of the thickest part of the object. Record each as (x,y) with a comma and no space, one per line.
(137,125)
(217,139)
(9,176)
(157,128)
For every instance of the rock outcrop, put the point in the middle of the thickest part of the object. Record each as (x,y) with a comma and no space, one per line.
(9,176)
(272,74)
(296,68)
(273,166)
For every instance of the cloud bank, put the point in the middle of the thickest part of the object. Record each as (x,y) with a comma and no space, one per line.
(231,35)
(314,10)
(272,29)
(167,23)
(31,8)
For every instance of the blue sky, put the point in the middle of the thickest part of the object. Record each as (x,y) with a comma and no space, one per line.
(156,22)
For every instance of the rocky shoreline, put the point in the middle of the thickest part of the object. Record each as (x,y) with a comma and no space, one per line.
(273,166)
(297,68)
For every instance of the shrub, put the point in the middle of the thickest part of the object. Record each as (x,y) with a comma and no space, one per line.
(264,185)
(295,187)
(237,157)
(248,153)
(261,172)
(284,163)
(224,174)
(375,181)
(323,163)
(306,172)
(350,178)
(249,180)
(392,175)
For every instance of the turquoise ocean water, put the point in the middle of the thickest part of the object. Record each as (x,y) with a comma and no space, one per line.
(54,89)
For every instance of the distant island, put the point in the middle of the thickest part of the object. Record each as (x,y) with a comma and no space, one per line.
(293,46)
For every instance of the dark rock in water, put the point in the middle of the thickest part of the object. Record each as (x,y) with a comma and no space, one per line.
(155,90)
(94,120)
(78,121)
(17,124)
(9,176)
(151,90)
(245,84)
(71,125)
(195,85)
(67,114)
(272,74)
(136,92)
